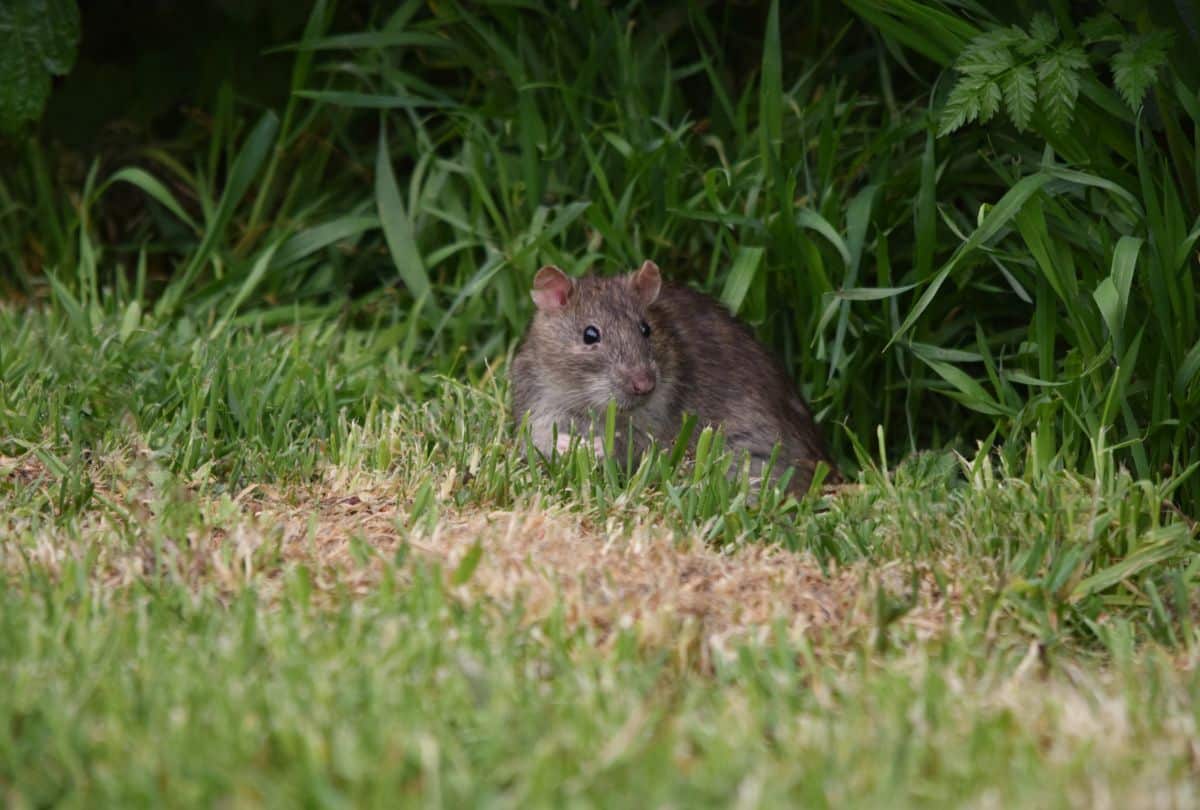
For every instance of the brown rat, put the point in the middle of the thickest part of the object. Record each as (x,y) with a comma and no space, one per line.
(659,350)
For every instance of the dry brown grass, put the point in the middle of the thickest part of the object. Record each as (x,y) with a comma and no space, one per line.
(672,591)
(640,574)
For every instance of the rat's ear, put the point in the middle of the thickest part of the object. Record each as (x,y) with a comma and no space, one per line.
(551,289)
(647,282)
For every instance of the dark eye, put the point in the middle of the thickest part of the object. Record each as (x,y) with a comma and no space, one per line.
(591,335)
(645,327)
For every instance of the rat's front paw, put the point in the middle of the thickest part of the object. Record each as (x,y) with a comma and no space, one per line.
(564,444)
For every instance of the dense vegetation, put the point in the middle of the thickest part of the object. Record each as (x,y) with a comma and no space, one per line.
(288,263)
(1025,282)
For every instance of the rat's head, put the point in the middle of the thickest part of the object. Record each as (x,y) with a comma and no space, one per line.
(595,335)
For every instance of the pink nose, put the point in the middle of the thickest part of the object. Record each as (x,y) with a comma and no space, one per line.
(642,381)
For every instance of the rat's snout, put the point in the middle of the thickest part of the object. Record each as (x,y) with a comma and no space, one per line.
(640,381)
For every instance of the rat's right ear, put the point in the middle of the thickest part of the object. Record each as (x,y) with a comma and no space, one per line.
(551,289)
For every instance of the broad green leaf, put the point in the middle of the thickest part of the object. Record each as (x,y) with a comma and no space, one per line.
(397,227)
(311,240)
(1112,294)
(972,393)
(1158,546)
(1108,302)
(38,39)
(771,87)
(152,186)
(1032,224)
(810,219)
(932,32)
(745,265)
(871,293)
(949,355)
(130,320)
(1078,178)
(76,314)
(1026,379)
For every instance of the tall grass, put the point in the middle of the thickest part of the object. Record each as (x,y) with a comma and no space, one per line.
(987,286)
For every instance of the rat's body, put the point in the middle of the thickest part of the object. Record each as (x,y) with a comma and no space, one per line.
(660,351)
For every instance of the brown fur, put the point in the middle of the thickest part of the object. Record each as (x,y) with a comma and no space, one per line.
(705,362)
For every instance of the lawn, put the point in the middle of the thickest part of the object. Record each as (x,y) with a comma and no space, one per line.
(268,535)
(392,605)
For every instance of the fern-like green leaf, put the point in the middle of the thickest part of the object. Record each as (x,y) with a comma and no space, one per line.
(989,101)
(988,54)
(1043,30)
(1058,84)
(964,104)
(1020,95)
(1135,66)
(1073,57)
(985,63)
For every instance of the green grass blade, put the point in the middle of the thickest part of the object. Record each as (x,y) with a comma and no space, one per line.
(252,280)
(321,236)
(741,275)
(150,184)
(243,172)
(371,101)
(397,227)
(771,86)
(998,217)
(1159,546)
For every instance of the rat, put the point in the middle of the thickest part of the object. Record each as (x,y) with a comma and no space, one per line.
(659,350)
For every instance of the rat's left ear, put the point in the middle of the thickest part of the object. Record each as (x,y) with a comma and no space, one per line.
(551,289)
(647,282)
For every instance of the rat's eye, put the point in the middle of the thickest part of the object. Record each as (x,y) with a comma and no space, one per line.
(645,327)
(591,335)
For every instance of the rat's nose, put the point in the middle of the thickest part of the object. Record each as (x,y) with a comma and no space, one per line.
(641,381)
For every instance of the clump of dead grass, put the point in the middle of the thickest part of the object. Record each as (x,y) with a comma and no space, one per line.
(632,572)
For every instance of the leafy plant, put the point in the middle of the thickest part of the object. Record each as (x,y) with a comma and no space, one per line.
(1036,71)
(1135,66)
(38,40)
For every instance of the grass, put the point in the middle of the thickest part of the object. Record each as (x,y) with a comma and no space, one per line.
(268,537)
(392,605)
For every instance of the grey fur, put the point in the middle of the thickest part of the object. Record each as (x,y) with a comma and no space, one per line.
(704,360)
